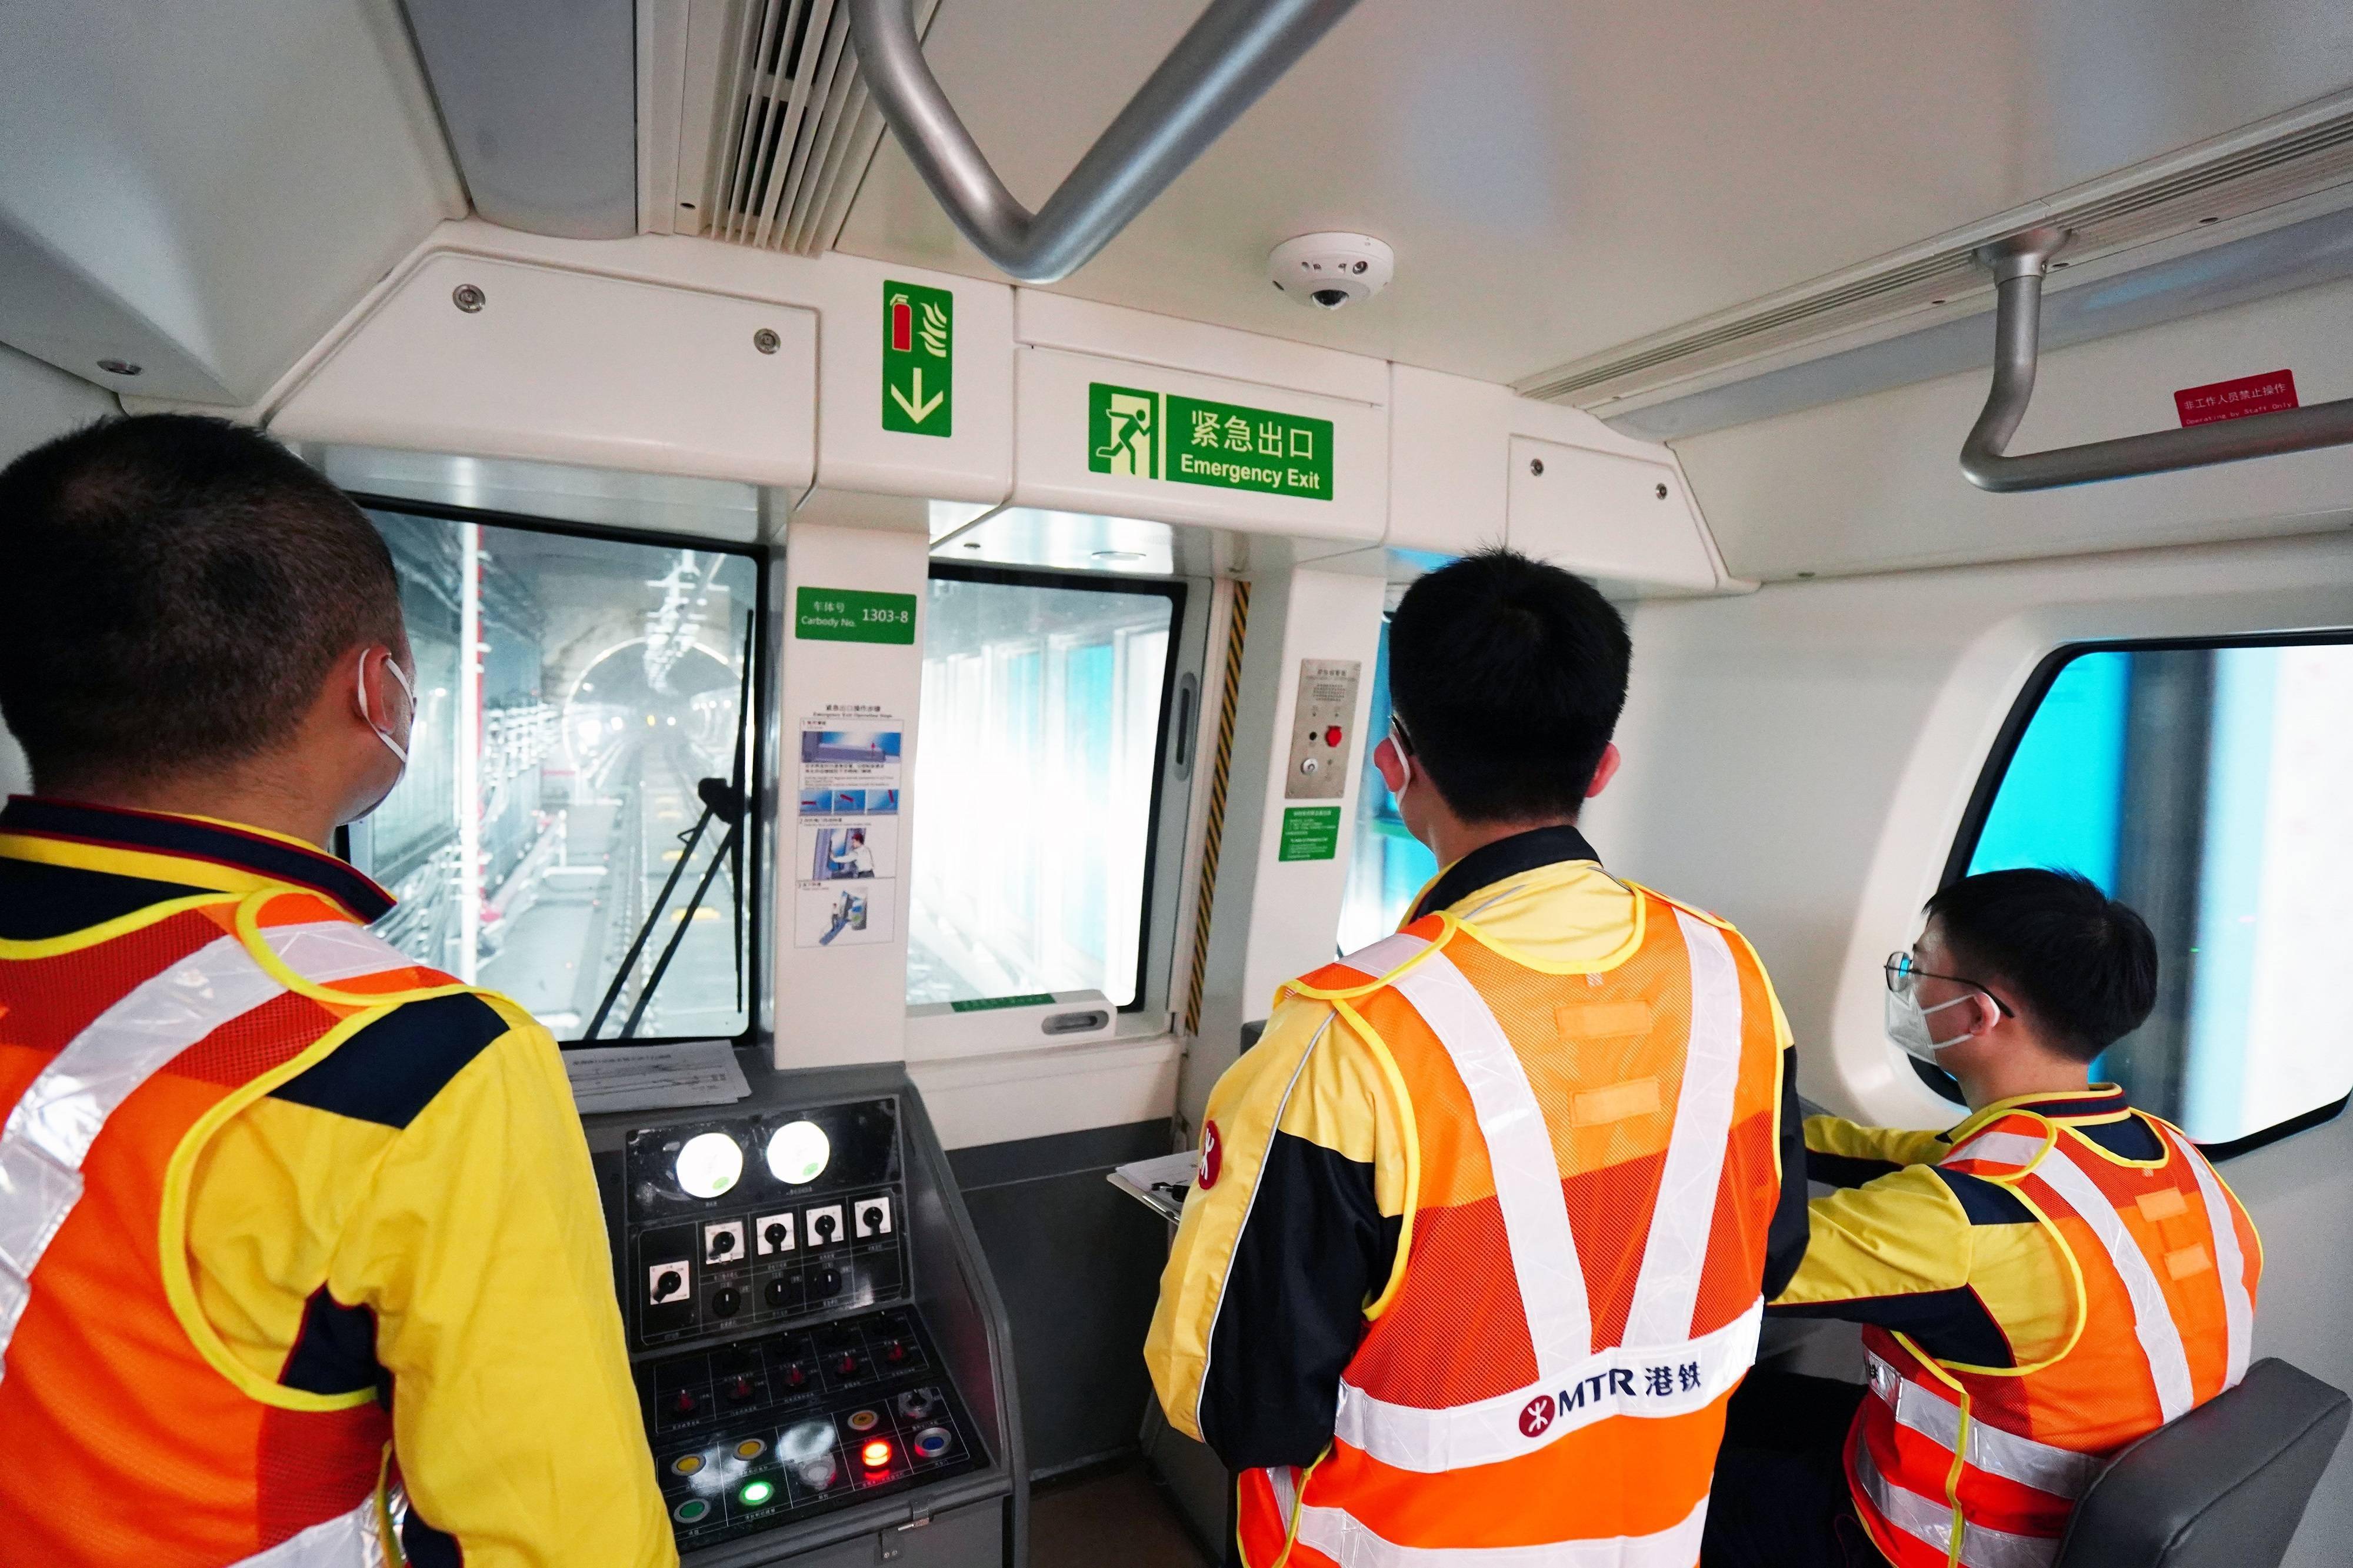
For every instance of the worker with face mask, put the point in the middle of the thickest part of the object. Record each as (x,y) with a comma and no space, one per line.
(301,1261)
(2055,1276)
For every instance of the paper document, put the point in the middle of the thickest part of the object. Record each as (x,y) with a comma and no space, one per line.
(1161,1183)
(654,1077)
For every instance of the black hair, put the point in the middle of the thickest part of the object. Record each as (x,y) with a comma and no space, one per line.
(2082,965)
(1507,677)
(176,590)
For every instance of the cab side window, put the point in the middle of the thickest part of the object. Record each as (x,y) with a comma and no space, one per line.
(2204,784)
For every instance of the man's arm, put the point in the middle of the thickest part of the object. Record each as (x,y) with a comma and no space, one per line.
(481,1248)
(1847,1154)
(1280,1252)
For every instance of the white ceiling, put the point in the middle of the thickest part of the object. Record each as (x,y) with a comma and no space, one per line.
(1560,177)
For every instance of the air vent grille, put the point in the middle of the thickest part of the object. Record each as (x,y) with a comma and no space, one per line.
(2297,155)
(795,128)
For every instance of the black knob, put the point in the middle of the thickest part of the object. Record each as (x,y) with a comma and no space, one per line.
(828,1282)
(774,1236)
(726,1301)
(823,1229)
(772,1292)
(669,1284)
(722,1244)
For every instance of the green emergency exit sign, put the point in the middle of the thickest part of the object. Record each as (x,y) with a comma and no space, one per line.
(1194,441)
(918,359)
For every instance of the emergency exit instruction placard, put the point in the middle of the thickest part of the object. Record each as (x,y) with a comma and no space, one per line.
(846,827)
(1309,832)
(1194,441)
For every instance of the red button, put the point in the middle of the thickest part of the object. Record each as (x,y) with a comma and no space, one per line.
(684,1404)
(1332,736)
(876,1454)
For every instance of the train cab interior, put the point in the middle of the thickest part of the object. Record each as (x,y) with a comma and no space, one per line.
(897,505)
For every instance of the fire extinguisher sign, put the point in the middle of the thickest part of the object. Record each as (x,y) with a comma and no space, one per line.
(918,359)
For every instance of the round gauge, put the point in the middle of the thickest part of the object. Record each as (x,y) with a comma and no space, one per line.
(798,1152)
(710,1165)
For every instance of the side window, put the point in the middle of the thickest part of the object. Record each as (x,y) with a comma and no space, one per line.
(1037,760)
(1388,864)
(559,780)
(2204,785)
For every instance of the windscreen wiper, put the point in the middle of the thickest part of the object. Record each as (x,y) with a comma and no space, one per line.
(725,800)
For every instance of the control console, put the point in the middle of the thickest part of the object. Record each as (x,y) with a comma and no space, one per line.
(767,1260)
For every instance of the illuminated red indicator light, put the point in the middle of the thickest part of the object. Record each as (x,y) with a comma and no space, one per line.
(1332,736)
(876,1454)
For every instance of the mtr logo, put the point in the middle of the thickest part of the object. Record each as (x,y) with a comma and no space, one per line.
(1537,1417)
(1616,1390)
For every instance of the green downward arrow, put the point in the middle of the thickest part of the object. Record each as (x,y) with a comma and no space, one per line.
(919,408)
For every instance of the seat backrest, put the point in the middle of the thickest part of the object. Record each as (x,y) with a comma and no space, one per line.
(2223,1486)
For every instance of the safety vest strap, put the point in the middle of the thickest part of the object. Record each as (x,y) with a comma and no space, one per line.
(352,1540)
(1644,1382)
(1346,1541)
(1931,1521)
(2230,1262)
(53,1125)
(2061,1472)
(2152,1324)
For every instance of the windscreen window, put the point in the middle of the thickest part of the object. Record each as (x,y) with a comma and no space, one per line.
(556,786)
(1036,762)
(1388,864)
(2205,786)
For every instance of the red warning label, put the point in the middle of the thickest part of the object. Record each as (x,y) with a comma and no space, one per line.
(2265,393)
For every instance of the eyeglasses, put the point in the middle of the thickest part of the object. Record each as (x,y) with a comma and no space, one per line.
(1904,974)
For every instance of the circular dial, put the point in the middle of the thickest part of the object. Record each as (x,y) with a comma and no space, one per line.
(798,1152)
(710,1165)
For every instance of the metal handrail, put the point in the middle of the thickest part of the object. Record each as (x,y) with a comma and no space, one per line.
(2018,264)
(1234,53)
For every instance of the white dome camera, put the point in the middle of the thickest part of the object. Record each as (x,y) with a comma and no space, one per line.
(1330,271)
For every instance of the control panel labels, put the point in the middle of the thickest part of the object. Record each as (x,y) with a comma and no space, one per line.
(1323,729)
(918,359)
(1194,441)
(1309,832)
(854,615)
(846,827)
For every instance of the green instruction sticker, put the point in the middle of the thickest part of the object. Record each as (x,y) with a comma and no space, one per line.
(918,359)
(990,1003)
(1193,441)
(1309,832)
(854,615)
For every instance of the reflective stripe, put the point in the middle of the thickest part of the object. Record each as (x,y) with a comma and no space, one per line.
(2160,1337)
(2238,1312)
(325,950)
(1519,1148)
(1998,1147)
(346,1541)
(2061,1472)
(1617,1382)
(1930,1522)
(1676,1254)
(1348,1541)
(1384,955)
(50,1131)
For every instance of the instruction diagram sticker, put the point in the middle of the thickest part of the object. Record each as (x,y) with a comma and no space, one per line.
(1194,441)
(918,359)
(846,827)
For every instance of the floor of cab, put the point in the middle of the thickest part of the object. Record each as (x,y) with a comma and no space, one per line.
(1114,1513)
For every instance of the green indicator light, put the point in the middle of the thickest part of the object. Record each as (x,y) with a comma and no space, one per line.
(755,1493)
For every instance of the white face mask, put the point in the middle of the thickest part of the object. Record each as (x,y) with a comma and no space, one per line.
(392,667)
(1908,1026)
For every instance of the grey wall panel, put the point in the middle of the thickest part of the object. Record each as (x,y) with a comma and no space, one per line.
(1078,1264)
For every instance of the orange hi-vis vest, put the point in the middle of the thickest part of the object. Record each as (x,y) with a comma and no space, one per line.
(1981,1466)
(131,1433)
(1592,1169)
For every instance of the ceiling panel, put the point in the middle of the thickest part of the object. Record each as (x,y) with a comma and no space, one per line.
(1559,178)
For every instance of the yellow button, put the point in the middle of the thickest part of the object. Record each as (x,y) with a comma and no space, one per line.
(750,1449)
(687,1464)
(863,1421)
